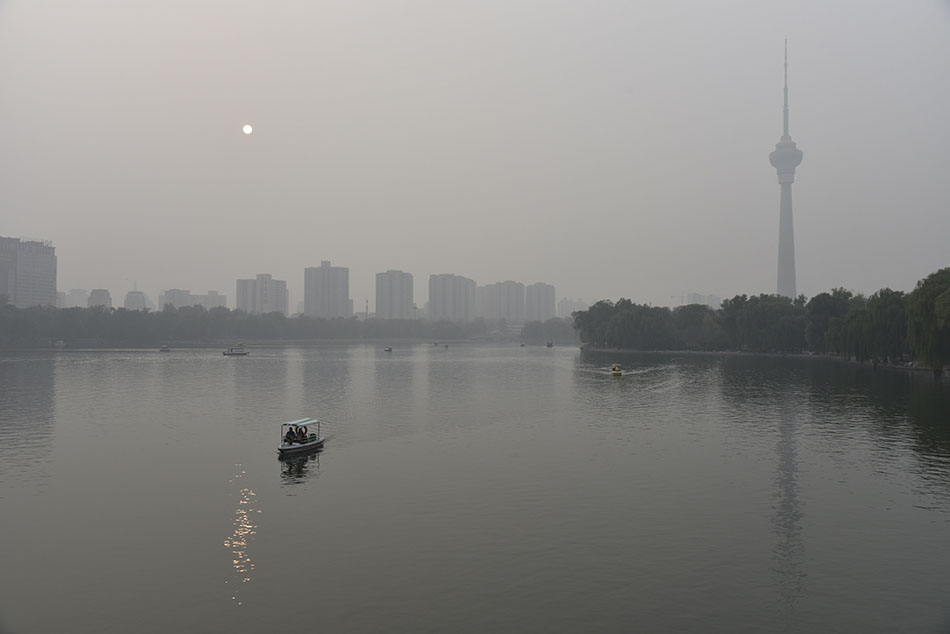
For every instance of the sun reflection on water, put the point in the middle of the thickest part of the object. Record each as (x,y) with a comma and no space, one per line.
(244,529)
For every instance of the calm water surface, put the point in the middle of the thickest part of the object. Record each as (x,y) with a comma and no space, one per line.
(470,489)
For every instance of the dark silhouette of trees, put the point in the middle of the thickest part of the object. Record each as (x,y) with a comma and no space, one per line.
(194,325)
(819,312)
(881,329)
(928,320)
(887,313)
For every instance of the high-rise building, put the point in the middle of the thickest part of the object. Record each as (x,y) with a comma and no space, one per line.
(100,297)
(326,291)
(539,302)
(28,272)
(394,295)
(567,307)
(181,298)
(134,300)
(501,300)
(262,295)
(785,159)
(451,298)
(77,298)
(212,299)
(176,297)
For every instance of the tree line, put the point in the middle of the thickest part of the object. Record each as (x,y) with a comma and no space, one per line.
(41,326)
(887,327)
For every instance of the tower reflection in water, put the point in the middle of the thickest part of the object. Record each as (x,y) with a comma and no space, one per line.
(788,552)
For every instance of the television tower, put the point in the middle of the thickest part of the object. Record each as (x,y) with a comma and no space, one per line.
(785,159)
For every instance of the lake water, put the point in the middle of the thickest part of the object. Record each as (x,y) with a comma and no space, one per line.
(470,489)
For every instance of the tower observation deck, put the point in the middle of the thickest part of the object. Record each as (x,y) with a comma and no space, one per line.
(785,159)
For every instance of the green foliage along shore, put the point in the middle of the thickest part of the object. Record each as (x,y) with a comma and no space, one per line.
(42,326)
(887,327)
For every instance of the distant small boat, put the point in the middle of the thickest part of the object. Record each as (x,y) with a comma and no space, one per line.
(522,345)
(296,437)
(446,346)
(237,351)
(388,349)
(165,348)
(616,370)
(550,344)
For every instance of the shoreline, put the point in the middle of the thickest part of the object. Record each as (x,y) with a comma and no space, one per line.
(914,369)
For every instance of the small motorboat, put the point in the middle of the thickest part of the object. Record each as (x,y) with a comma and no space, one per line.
(549,344)
(165,348)
(388,349)
(296,437)
(236,351)
(616,370)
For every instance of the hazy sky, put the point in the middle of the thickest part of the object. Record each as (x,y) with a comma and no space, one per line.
(611,148)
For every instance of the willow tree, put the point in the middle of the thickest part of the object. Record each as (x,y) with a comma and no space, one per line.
(928,320)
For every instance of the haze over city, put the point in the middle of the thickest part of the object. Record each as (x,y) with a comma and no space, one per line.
(611,150)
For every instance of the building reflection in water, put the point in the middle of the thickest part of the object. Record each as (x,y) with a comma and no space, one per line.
(325,384)
(245,527)
(27,405)
(297,469)
(788,553)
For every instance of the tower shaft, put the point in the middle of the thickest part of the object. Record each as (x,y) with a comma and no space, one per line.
(786,245)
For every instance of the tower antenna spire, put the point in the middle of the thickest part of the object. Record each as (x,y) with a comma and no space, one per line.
(785,112)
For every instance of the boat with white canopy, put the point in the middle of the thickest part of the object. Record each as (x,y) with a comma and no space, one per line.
(297,436)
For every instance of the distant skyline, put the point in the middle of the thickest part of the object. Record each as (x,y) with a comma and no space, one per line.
(613,150)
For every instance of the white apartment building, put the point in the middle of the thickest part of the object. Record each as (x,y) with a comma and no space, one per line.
(501,300)
(176,297)
(394,295)
(28,272)
(100,297)
(451,298)
(262,295)
(567,306)
(77,298)
(134,300)
(539,302)
(326,291)
(211,299)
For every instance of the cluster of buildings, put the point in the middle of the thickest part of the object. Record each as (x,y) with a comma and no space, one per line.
(451,297)
(457,298)
(28,278)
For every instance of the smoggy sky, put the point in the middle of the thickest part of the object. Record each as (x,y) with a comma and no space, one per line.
(611,148)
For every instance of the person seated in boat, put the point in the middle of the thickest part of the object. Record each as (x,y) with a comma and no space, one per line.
(290,437)
(300,435)
(305,434)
